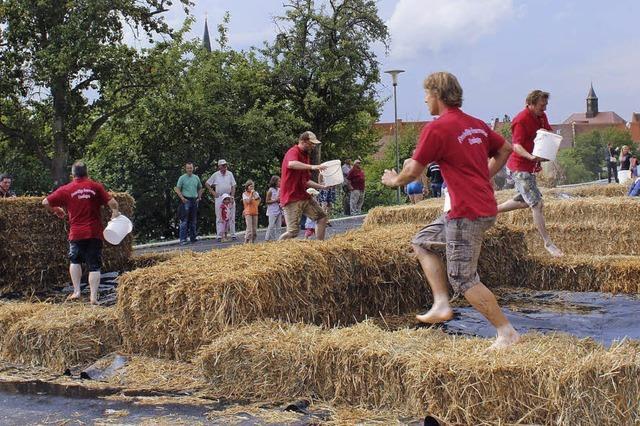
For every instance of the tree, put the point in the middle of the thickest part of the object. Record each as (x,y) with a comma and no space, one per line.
(323,66)
(584,161)
(208,105)
(66,72)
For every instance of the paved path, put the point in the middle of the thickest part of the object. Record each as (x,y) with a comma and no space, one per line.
(338,226)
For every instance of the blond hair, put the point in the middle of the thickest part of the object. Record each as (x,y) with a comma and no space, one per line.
(445,87)
(535,96)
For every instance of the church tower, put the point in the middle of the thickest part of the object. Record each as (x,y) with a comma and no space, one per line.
(206,42)
(592,103)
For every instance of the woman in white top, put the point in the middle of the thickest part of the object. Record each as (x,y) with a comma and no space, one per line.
(274,211)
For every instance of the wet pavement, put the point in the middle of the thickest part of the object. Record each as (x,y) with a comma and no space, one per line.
(604,317)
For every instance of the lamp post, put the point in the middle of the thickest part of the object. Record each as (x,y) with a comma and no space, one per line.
(394,79)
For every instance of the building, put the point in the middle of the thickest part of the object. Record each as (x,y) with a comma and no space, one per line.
(387,131)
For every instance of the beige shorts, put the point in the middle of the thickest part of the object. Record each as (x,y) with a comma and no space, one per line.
(463,241)
(294,211)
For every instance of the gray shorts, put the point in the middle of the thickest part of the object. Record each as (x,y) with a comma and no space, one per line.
(527,188)
(461,239)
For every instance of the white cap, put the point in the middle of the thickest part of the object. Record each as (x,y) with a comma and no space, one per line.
(225,196)
(222,162)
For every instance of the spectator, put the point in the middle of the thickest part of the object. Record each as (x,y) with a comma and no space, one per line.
(83,199)
(435,179)
(294,182)
(223,182)
(225,213)
(356,184)
(5,186)
(274,211)
(415,189)
(310,224)
(634,166)
(189,190)
(625,158)
(251,201)
(327,198)
(634,189)
(346,198)
(611,159)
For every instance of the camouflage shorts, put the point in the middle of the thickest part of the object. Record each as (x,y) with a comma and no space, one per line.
(527,188)
(462,241)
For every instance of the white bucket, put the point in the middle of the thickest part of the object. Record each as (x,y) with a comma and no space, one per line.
(332,175)
(546,145)
(447,199)
(117,229)
(624,175)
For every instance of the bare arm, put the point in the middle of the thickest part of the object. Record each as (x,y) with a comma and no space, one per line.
(500,159)
(233,191)
(184,200)
(115,208)
(314,185)
(410,172)
(299,165)
(210,189)
(270,199)
(58,211)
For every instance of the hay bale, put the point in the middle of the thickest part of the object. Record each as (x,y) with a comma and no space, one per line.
(34,246)
(543,380)
(607,274)
(610,190)
(61,336)
(13,312)
(585,238)
(173,308)
(593,210)
(147,260)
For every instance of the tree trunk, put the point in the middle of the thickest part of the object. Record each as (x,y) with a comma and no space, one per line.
(60,160)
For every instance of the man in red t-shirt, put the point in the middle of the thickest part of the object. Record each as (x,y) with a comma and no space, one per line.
(523,165)
(295,178)
(355,181)
(469,153)
(83,199)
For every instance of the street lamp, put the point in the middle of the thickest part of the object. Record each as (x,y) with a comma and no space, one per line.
(394,79)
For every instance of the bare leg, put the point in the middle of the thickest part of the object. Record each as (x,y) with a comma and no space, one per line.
(482,299)
(436,274)
(507,206)
(94,283)
(321,226)
(538,219)
(75,271)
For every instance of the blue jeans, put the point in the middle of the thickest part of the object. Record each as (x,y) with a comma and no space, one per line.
(436,189)
(188,214)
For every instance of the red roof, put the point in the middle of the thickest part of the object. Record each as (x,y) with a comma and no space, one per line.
(605,117)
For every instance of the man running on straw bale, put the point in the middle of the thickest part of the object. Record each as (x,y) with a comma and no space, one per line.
(295,178)
(469,154)
(523,165)
(83,199)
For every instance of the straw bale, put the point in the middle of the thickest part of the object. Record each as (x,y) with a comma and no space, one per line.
(12,312)
(34,247)
(592,210)
(175,307)
(610,190)
(147,260)
(420,213)
(62,336)
(553,379)
(607,274)
(585,238)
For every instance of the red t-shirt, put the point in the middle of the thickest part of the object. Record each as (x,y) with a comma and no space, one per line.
(356,177)
(523,132)
(293,183)
(82,198)
(461,145)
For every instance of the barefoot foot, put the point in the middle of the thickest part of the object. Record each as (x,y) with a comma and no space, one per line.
(436,314)
(505,340)
(553,250)
(73,296)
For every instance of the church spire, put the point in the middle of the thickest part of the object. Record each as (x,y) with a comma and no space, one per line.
(592,103)
(206,41)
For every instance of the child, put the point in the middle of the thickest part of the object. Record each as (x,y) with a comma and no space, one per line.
(310,225)
(225,210)
(251,201)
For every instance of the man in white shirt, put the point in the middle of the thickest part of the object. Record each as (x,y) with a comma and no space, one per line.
(220,183)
